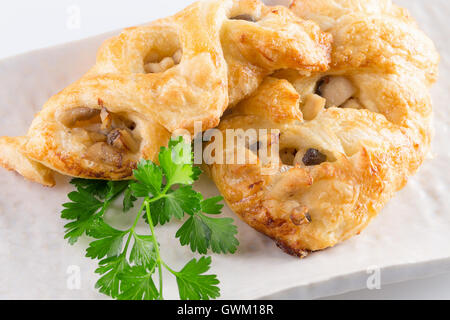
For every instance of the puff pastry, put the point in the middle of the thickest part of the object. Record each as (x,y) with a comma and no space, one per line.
(349,137)
(153,80)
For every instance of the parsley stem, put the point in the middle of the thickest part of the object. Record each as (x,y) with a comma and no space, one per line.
(168,268)
(138,216)
(109,199)
(105,207)
(155,243)
(161,195)
(131,230)
(127,244)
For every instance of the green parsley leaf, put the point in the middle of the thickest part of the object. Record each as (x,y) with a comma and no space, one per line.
(128,200)
(195,232)
(116,188)
(82,209)
(106,247)
(98,188)
(201,232)
(212,205)
(182,200)
(143,252)
(222,234)
(150,178)
(110,243)
(100,229)
(83,205)
(75,229)
(193,284)
(175,204)
(139,284)
(110,269)
(139,190)
(197,172)
(176,162)
(156,212)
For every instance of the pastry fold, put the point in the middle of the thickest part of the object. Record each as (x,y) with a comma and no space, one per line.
(155,79)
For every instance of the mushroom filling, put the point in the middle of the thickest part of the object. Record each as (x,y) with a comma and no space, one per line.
(313,157)
(287,156)
(70,117)
(337,91)
(300,216)
(245,17)
(122,139)
(295,157)
(155,64)
(103,152)
(313,105)
(109,138)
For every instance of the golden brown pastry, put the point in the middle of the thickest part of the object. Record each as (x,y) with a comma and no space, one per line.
(13,159)
(155,79)
(349,137)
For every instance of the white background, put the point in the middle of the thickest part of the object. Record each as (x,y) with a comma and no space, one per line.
(27,25)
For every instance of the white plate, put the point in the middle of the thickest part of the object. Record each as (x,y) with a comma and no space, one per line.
(410,238)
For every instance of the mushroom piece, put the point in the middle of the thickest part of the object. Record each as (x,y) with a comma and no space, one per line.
(287,156)
(298,160)
(352,104)
(96,136)
(309,157)
(245,17)
(165,64)
(102,152)
(157,67)
(314,104)
(153,67)
(122,139)
(70,117)
(106,118)
(300,215)
(313,157)
(336,90)
(177,56)
(110,121)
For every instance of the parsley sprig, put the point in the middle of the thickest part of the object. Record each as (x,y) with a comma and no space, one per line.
(128,261)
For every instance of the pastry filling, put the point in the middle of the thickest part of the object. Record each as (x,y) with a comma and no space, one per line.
(287,156)
(156,64)
(109,138)
(245,17)
(337,91)
(312,106)
(308,157)
(70,117)
(300,216)
(313,157)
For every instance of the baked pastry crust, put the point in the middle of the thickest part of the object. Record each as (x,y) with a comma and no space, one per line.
(14,159)
(163,77)
(368,148)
